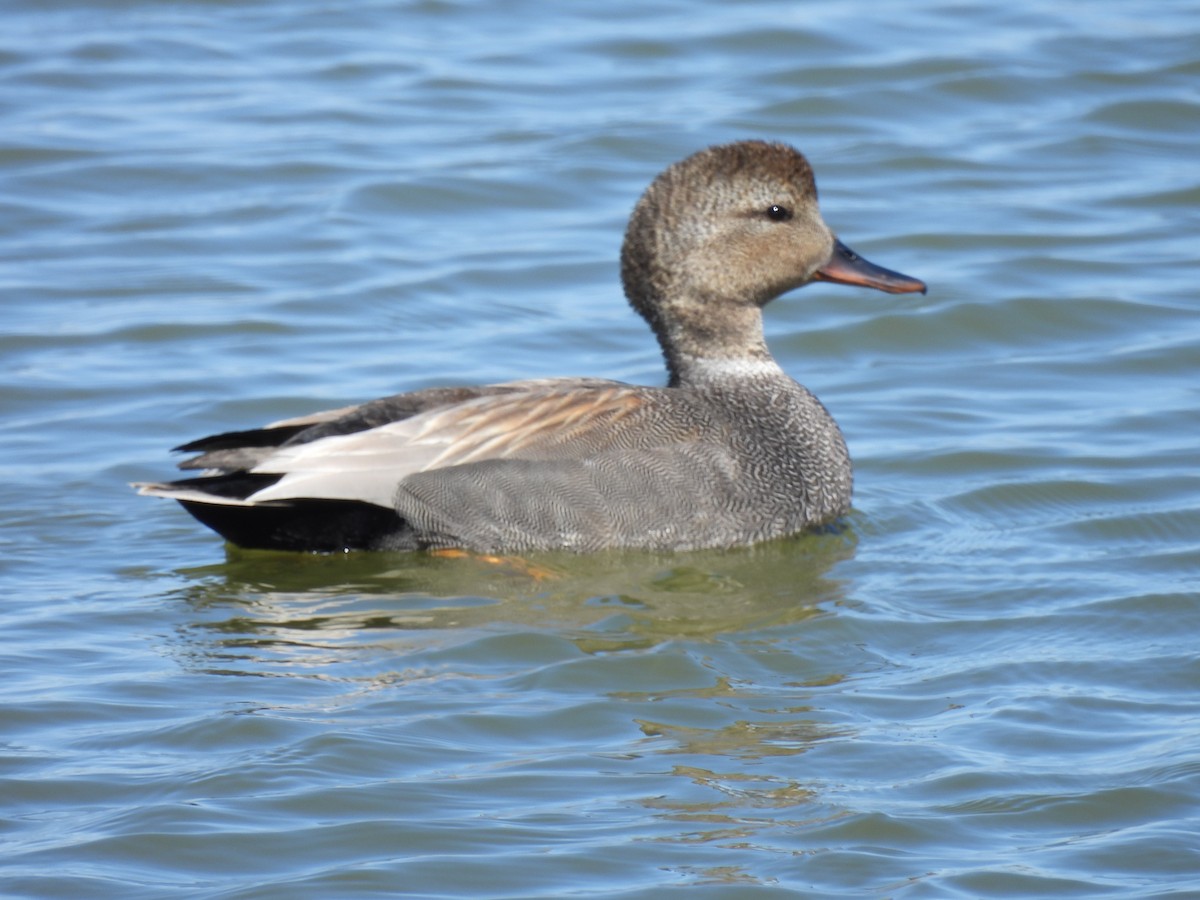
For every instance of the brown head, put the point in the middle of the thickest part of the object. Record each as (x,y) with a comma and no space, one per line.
(719,235)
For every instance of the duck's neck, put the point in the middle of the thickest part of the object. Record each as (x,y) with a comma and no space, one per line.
(712,342)
(689,371)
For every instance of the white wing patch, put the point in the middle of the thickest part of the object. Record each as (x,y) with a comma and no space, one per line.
(368,465)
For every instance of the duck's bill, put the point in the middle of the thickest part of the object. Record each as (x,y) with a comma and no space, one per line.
(847,267)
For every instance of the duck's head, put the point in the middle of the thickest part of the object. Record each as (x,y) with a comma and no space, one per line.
(719,235)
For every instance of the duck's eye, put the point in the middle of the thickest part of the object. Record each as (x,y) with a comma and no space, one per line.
(777,213)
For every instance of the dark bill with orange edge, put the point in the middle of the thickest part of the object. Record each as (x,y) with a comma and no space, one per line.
(847,267)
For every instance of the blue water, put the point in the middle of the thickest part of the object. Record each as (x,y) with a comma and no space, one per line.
(987,684)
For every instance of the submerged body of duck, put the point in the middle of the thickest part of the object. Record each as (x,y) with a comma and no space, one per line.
(732,451)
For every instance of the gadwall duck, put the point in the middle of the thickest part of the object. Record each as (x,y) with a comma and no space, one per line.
(732,451)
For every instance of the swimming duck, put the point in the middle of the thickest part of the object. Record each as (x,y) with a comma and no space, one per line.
(732,451)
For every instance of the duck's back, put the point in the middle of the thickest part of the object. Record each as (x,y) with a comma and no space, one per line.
(578,465)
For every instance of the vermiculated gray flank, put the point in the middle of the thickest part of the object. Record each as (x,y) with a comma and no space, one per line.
(730,452)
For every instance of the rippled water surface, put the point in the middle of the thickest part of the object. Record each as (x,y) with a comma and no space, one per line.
(218,214)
